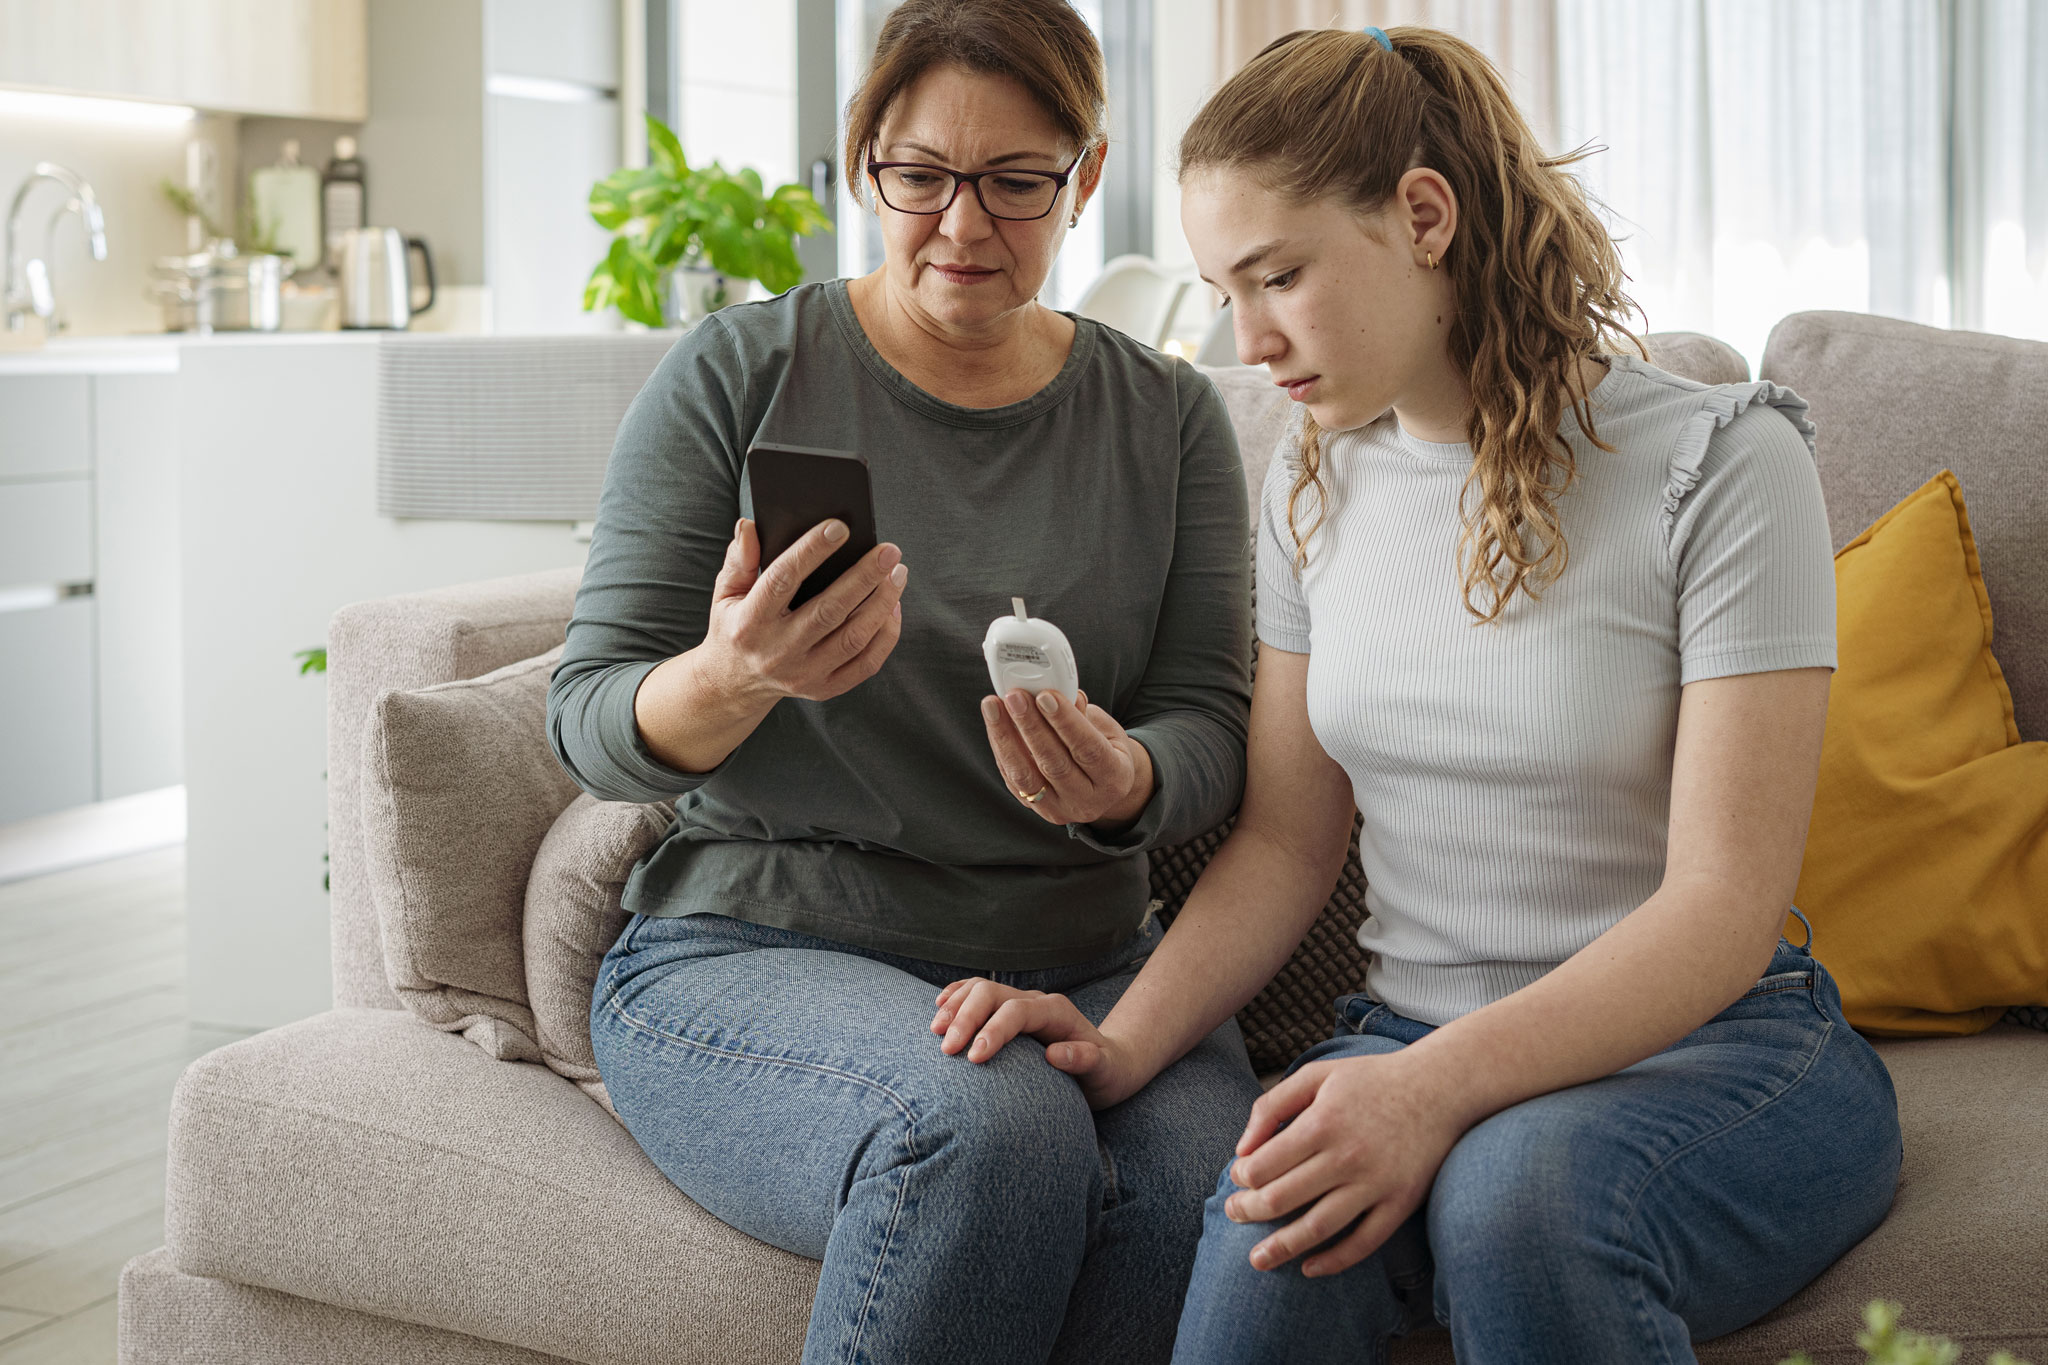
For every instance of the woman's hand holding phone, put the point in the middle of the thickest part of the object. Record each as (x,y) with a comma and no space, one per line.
(1083,767)
(696,708)
(839,639)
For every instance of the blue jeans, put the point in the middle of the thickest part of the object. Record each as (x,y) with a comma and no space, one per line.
(1620,1220)
(964,1212)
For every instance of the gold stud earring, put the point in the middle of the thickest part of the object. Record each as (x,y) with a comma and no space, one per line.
(1432,259)
(1075,221)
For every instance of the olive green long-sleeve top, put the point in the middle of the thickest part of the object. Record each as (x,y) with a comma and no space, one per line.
(1112,501)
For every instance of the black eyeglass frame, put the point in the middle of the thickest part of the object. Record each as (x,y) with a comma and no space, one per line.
(1059,180)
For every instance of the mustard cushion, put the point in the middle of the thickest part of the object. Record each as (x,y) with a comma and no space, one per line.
(1926,872)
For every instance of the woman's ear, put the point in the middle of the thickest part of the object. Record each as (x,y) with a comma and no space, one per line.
(1427,213)
(1088,179)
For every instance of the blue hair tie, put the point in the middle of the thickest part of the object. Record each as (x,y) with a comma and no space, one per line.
(1379,37)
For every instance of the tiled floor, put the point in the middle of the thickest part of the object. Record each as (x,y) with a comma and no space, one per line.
(93,1035)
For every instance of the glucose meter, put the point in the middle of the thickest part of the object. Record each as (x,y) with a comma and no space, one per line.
(1031,653)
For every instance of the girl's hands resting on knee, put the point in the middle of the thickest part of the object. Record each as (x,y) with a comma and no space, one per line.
(1363,1136)
(1089,771)
(979,1016)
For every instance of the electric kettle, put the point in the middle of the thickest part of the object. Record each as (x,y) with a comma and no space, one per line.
(377,289)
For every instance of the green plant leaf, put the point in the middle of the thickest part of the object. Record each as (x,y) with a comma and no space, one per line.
(664,150)
(751,178)
(794,207)
(780,269)
(728,248)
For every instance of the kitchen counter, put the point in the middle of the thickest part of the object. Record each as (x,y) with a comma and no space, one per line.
(158,352)
(96,355)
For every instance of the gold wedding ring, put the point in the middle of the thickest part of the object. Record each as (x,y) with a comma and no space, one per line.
(1032,799)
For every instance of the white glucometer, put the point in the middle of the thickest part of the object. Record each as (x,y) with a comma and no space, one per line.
(1030,653)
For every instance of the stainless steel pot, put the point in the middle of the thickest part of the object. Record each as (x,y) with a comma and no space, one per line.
(220,291)
(377,287)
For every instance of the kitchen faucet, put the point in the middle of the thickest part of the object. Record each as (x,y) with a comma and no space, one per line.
(21,300)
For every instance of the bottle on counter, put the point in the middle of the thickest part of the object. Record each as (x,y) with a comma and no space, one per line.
(284,200)
(344,197)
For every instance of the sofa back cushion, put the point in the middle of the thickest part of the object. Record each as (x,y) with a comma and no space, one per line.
(395,643)
(1894,404)
(459,789)
(573,916)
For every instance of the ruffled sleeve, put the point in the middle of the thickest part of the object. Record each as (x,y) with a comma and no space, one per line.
(1747,533)
(1719,405)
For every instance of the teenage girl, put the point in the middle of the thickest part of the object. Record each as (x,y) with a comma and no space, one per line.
(1560,624)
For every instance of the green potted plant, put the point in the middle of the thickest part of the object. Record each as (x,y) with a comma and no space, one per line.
(703,229)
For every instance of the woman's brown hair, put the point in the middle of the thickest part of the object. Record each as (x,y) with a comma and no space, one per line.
(1536,277)
(1044,45)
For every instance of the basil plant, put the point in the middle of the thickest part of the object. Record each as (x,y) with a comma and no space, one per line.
(668,216)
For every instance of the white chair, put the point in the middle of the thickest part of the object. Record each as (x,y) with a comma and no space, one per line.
(1135,295)
(1219,341)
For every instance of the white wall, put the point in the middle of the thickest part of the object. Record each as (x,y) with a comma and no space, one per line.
(738,65)
(1183,76)
(124,164)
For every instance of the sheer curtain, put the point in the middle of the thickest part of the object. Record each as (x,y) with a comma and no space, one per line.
(1518,36)
(2001,166)
(1763,157)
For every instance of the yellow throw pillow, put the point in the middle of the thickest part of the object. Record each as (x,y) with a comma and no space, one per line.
(1926,873)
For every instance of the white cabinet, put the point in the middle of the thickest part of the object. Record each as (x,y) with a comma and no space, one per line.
(296,58)
(90,687)
(45,532)
(46,739)
(137,573)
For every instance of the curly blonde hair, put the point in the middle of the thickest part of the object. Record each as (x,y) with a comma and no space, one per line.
(1537,279)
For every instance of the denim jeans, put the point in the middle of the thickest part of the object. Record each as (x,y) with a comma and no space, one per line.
(964,1212)
(1620,1220)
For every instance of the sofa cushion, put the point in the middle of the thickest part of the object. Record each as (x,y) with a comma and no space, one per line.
(573,916)
(362,1159)
(459,788)
(171,1318)
(411,640)
(1926,872)
(1894,402)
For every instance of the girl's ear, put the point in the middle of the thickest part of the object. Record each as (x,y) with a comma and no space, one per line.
(1427,211)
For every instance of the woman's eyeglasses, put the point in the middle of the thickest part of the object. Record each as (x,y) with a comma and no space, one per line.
(1014,196)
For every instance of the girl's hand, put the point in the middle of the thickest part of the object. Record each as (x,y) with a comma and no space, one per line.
(1366,1136)
(979,1015)
(1087,768)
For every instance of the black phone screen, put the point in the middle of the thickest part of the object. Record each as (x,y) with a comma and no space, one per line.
(796,487)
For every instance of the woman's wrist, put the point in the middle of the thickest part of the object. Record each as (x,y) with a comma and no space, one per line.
(720,711)
(1143,780)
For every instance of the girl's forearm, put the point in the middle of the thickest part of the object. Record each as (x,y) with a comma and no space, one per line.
(1241,923)
(1668,967)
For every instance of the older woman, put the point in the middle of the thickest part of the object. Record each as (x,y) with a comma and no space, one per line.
(857,822)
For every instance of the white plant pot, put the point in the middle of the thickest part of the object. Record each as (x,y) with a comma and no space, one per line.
(696,292)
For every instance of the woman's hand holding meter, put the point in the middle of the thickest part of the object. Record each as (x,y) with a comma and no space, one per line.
(1077,761)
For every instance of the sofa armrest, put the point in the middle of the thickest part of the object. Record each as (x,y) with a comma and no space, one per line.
(401,643)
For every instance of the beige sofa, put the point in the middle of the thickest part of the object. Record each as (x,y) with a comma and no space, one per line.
(367,1185)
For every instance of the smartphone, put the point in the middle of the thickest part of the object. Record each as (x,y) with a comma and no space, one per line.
(793,489)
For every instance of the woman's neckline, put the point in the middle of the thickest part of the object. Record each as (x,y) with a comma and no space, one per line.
(956,414)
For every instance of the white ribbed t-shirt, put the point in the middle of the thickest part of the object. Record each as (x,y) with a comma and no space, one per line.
(1515,778)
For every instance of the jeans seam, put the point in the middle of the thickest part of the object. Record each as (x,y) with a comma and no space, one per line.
(1635,1200)
(902,1106)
